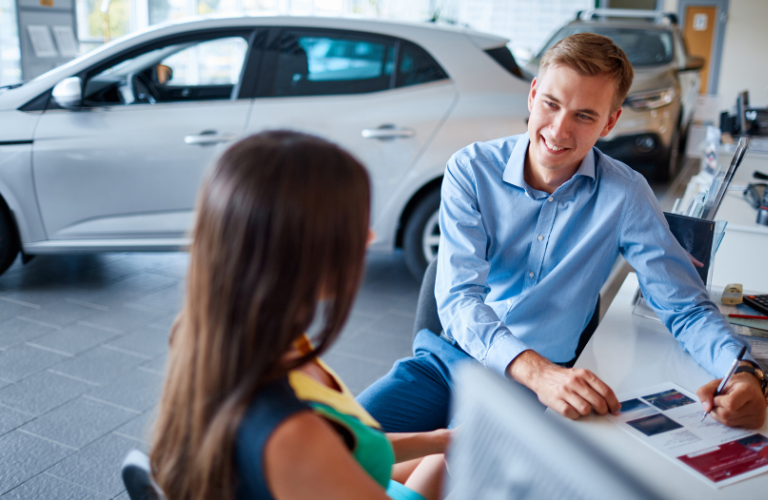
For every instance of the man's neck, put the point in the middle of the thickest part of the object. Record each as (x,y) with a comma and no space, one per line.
(542,179)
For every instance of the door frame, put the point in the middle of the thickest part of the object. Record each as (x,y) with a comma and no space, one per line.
(717,42)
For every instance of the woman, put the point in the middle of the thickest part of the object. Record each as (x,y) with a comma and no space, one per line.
(248,410)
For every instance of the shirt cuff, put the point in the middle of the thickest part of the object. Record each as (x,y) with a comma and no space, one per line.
(725,359)
(502,352)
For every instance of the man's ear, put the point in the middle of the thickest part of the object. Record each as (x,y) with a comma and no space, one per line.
(611,123)
(532,95)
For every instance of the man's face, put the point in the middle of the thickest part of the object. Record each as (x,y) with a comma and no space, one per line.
(569,112)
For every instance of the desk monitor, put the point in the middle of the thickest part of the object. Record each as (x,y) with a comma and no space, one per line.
(507,448)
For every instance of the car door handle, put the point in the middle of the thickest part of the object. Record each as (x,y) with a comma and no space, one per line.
(383,133)
(208,138)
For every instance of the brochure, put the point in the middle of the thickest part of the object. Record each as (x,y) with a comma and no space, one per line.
(668,419)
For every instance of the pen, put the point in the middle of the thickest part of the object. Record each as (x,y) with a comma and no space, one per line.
(747,316)
(727,377)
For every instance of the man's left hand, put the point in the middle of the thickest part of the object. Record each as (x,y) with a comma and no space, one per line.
(741,404)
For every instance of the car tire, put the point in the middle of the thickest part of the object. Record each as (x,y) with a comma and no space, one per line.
(422,235)
(9,239)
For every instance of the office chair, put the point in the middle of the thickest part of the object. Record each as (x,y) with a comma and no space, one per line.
(427,317)
(137,479)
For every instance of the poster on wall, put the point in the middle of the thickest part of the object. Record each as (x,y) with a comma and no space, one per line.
(65,39)
(42,42)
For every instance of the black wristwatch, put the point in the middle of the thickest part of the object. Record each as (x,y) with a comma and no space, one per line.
(758,372)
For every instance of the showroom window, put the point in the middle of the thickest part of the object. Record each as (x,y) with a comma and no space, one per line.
(179,72)
(310,64)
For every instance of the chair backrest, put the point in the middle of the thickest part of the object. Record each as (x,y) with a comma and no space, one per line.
(426,309)
(137,478)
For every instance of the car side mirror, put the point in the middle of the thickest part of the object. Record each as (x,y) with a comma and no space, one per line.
(68,93)
(693,63)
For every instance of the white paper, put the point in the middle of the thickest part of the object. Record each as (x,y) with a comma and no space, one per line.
(668,419)
(42,42)
(65,39)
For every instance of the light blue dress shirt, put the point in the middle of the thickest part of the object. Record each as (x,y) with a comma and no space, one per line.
(522,269)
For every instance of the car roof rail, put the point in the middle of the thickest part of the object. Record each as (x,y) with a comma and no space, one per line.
(655,15)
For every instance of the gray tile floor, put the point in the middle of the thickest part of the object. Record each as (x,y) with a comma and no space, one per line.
(83,346)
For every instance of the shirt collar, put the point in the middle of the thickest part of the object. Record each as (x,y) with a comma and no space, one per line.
(514,170)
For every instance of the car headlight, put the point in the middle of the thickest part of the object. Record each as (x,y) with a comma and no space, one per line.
(642,101)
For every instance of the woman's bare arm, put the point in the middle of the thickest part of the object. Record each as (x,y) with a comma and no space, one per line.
(306,459)
(410,445)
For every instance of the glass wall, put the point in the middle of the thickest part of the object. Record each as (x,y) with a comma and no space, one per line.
(10,55)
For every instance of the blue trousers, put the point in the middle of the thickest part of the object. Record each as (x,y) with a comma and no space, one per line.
(415,395)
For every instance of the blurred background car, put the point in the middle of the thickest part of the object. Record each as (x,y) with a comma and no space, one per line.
(655,117)
(120,138)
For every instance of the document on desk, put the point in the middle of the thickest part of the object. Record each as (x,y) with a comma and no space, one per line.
(668,418)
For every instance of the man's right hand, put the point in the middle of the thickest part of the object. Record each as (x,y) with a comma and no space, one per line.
(571,392)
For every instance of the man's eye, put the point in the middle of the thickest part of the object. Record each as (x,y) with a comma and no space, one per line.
(550,104)
(584,117)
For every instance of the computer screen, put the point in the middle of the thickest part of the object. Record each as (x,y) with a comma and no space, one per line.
(505,447)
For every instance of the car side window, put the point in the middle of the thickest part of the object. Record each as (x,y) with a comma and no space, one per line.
(327,64)
(177,72)
(416,66)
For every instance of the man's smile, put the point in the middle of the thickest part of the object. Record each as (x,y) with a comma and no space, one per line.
(553,148)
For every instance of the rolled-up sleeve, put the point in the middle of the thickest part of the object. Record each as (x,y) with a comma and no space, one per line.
(462,271)
(671,285)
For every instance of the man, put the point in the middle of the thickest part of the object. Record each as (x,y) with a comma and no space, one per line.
(531,226)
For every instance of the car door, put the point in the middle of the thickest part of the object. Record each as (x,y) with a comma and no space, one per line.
(126,166)
(379,97)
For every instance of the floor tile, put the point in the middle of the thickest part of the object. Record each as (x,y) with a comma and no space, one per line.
(44,486)
(11,419)
(99,365)
(79,422)
(61,313)
(42,392)
(140,428)
(16,331)
(23,360)
(73,339)
(97,466)
(137,390)
(157,365)
(23,456)
(149,341)
(122,318)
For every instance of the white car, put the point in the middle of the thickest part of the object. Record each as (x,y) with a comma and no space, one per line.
(106,153)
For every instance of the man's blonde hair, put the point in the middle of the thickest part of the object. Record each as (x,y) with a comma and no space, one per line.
(590,55)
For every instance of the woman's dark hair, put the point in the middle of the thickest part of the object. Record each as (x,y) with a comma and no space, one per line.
(282,223)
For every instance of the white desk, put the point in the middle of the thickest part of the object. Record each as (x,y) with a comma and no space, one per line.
(629,352)
(743,254)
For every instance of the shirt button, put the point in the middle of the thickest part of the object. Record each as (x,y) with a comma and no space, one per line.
(551,199)
(530,274)
(541,237)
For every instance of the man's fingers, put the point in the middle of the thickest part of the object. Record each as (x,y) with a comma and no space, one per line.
(579,404)
(604,391)
(706,394)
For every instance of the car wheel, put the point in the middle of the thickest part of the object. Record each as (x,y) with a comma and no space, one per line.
(422,235)
(9,240)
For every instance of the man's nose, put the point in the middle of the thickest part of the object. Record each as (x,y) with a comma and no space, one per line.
(559,127)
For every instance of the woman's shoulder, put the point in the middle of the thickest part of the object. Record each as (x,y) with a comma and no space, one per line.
(273,406)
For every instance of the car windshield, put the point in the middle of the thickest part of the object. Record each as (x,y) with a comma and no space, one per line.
(644,47)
